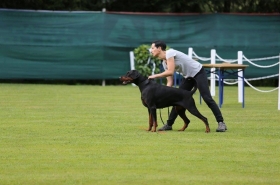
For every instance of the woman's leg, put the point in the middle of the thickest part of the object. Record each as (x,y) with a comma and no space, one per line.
(187,85)
(202,83)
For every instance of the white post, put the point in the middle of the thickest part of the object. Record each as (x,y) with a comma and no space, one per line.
(240,76)
(279,85)
(103,83)
(132,66)
(212,74)
(190,52)
(131,56)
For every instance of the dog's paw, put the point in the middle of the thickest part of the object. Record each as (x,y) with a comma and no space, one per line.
(154,130)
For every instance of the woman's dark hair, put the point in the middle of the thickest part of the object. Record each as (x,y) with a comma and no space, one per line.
(159,43)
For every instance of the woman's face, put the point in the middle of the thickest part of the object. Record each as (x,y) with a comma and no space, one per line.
(154,50)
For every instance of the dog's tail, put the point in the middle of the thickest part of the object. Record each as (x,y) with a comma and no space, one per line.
(195,84)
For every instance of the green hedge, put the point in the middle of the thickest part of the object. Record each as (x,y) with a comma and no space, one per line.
(141,57)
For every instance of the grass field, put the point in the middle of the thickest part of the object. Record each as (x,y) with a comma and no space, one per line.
(59,134)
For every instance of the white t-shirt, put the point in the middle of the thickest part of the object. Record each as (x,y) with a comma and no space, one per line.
(183,63)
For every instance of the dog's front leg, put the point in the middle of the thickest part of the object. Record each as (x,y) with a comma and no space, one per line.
(154,119)
(150,121)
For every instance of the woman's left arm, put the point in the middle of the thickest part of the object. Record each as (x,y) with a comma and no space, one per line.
(168,72)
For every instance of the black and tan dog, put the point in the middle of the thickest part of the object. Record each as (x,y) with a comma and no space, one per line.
(155,96)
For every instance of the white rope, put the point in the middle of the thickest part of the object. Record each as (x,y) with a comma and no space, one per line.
(260,65)
(261,78)
(226,82)
(266,58)
(225,60)
(200,58)
(259,89)
(230,83)
(251,79)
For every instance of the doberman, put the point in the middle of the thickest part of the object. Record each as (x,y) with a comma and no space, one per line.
(155,96)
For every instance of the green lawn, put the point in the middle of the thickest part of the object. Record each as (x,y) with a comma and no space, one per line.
(59,134)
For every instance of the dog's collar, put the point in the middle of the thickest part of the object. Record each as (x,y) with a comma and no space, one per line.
(143,83)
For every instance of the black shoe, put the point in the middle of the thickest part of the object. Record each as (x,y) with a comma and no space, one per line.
(165,127)
(221,127)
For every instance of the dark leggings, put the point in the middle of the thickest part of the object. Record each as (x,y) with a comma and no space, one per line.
(202,85)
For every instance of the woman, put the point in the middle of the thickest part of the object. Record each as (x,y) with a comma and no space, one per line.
(174,60)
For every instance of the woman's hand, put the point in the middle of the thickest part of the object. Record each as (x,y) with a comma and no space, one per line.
(152,77)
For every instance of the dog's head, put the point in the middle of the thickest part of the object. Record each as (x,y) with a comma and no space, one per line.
(130,77)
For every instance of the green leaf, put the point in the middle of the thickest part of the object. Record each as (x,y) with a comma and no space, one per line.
(141,57)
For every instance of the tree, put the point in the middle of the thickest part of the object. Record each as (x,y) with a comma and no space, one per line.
(167,6)
(196,6)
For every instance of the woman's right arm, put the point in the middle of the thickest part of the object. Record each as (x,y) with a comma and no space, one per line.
(169,81)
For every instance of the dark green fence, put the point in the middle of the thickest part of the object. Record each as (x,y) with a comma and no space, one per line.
(96,45)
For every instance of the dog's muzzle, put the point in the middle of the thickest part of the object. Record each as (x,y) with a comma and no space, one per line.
(124,80)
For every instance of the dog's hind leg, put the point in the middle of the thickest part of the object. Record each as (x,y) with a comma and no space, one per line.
(196,113)
(182,113)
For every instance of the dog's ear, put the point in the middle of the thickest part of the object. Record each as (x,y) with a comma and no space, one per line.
(134,74)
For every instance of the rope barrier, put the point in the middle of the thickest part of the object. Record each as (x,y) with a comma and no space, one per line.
(251,79)
(259,89)
(265,58)
(230,83)
(235,81)
(225,60)
(261,78)
(260,65)
(200,58)
(227,82)
(247,82)
(235,60)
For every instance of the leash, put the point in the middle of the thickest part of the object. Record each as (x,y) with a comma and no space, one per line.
(161,116)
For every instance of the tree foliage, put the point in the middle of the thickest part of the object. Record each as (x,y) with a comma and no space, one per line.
(167,6)
(144,61)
